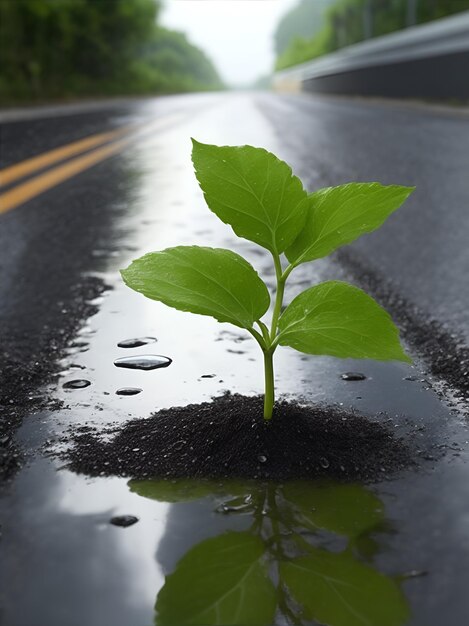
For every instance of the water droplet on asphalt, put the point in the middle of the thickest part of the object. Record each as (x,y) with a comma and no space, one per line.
(353,376)
(124,520)
(324,462)
(137,342)
(415,573)
(128,391)
(143,362)
(79,383)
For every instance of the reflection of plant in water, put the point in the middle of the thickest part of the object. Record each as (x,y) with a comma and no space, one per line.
(301,560)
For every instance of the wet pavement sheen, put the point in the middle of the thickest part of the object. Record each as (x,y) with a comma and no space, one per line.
(64,563)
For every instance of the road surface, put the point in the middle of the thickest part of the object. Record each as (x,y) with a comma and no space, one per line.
(60,220)
(87,188)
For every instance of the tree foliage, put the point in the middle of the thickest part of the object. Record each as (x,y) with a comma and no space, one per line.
(304,20)
(65,48)
(168,60)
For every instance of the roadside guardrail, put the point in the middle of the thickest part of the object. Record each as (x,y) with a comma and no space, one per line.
(426,61)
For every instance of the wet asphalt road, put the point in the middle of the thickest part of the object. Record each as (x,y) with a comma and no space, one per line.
(423,249)
(51,246)
(49,242)
(55,251)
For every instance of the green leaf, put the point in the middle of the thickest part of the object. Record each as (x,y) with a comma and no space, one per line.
(253,191)
(339,215)
(337,590)
(209,281)
(340,320)
(347,510)
(222,580)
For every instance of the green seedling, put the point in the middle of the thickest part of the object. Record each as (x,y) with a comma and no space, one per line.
(259,197)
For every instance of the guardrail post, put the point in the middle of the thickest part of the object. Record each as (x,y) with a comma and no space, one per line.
(367,20)
(411,17)
(340,29)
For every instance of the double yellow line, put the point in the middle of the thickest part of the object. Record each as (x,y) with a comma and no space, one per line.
(96,148)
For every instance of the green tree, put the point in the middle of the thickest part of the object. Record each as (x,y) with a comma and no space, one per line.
(303,21)
(170,62)
(65,48)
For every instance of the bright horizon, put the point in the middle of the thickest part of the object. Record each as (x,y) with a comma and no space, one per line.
(237,35)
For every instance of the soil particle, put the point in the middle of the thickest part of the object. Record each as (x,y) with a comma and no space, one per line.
(229,438)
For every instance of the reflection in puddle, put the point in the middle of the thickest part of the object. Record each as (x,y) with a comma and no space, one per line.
(305,555)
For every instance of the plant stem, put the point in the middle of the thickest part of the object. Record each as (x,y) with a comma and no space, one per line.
(269,395)
(278,297)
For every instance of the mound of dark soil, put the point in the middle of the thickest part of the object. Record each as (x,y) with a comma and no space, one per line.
(229,438)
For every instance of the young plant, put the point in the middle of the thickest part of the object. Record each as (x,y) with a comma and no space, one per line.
(258,196)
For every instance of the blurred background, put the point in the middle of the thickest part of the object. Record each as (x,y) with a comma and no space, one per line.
(64,49)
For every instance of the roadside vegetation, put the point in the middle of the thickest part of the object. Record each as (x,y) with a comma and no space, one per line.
(60,49)
(308,31)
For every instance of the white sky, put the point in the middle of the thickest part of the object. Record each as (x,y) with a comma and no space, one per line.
(236,34)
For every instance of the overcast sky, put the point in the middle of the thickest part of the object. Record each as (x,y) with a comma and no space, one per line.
(236,34)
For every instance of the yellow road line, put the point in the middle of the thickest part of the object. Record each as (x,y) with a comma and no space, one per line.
(13,172)
(42,182)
